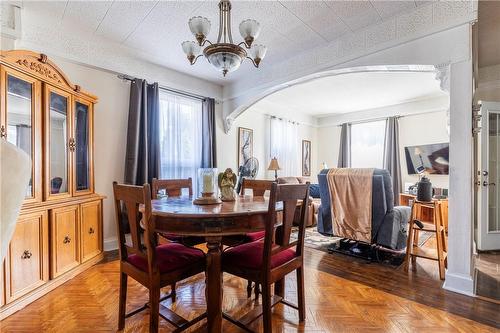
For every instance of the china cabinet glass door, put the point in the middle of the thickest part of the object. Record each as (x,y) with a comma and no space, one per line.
(58,143)
(82,119)
(20,122)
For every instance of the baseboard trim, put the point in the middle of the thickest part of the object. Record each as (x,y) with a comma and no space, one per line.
(111,244)
(459,283)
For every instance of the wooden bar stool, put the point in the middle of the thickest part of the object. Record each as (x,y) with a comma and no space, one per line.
(413,251)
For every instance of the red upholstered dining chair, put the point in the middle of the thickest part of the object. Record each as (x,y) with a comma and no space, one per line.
(268,262)
(258,188)
(173,188)
(151,265)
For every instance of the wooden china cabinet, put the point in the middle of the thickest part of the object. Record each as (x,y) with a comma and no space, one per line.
(59,230)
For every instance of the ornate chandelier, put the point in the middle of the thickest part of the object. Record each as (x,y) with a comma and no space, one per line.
(224,55)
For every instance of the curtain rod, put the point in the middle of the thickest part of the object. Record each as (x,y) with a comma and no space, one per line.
(172,90)
(368,120)
(386,117)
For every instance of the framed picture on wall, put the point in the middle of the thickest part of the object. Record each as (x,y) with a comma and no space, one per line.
(306,158)
(245,145)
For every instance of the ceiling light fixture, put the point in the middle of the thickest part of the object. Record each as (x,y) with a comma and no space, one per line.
(224,55)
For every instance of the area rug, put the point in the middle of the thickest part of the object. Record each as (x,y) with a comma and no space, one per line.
(313,239)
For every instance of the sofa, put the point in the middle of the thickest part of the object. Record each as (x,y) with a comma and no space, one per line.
(314,203)
(389,223)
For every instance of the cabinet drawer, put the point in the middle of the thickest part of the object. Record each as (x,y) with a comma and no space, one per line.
(26,264)
(65,250)
(90,231)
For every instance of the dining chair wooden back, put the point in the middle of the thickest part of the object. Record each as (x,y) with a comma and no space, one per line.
(268,262)
(258,186)
(128,198)
(172,187)
(290,196)
(143,260)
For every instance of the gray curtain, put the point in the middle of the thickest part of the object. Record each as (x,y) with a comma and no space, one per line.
(209,148)
(345,147)
(391,155)
(142,161)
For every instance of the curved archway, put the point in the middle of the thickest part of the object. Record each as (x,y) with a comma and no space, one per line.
(441,73)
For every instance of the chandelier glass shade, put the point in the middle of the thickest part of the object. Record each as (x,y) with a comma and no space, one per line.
(224,55)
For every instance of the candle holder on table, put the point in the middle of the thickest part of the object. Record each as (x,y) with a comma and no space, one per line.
(208,191)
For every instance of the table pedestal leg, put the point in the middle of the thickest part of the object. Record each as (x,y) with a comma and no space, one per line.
(213,289)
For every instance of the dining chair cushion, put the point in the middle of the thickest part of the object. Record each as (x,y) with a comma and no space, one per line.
(186,240)
(169,257)
(254,236)
(250,255)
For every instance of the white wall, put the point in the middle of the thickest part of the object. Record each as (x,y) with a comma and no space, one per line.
(422,129)
(259,121)
(414,129)
(328,145)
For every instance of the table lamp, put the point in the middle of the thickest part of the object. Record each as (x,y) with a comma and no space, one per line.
(274,166)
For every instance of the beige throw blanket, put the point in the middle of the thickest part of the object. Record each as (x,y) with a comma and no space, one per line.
(351,203)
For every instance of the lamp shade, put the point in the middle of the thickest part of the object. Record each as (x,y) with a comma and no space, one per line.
(199,25)
(190,48)
(258,51)
(273,165)
(249,28)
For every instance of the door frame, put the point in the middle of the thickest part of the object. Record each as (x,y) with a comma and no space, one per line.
(485,240)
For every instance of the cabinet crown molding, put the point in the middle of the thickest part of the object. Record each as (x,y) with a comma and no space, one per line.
(40,66)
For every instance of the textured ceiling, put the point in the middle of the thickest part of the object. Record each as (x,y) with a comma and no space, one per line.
(157,28)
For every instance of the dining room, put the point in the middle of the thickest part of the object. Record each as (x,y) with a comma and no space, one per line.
(158,175)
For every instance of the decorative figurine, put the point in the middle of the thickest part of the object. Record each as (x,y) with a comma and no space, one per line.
(227,182)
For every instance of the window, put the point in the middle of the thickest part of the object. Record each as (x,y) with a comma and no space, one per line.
(285,146)
(367,144)
(180,130)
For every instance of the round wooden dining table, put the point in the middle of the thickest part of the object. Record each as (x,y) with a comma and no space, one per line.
(179,215)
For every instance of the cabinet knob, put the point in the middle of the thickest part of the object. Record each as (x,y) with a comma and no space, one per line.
(66,240)
(26,254)
(91,231)
(3,133)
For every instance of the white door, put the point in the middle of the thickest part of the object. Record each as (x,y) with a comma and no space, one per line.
(488,229)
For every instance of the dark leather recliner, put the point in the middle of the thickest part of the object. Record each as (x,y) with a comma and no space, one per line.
(389,223)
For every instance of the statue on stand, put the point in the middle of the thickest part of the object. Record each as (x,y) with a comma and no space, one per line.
(227,182)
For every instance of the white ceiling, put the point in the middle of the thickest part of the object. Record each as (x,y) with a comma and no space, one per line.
(353,92)
(157,28)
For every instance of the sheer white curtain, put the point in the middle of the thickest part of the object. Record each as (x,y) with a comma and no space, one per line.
(285,146)
(180,131)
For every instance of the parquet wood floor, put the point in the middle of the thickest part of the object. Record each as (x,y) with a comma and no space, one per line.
(343,294)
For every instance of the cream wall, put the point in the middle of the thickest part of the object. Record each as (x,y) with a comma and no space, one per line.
(329,145)
(259,121)
(422,129)
(415,129)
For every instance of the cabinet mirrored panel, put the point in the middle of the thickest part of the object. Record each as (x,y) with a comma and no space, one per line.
(82,169)
(58,156)
(20,118)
